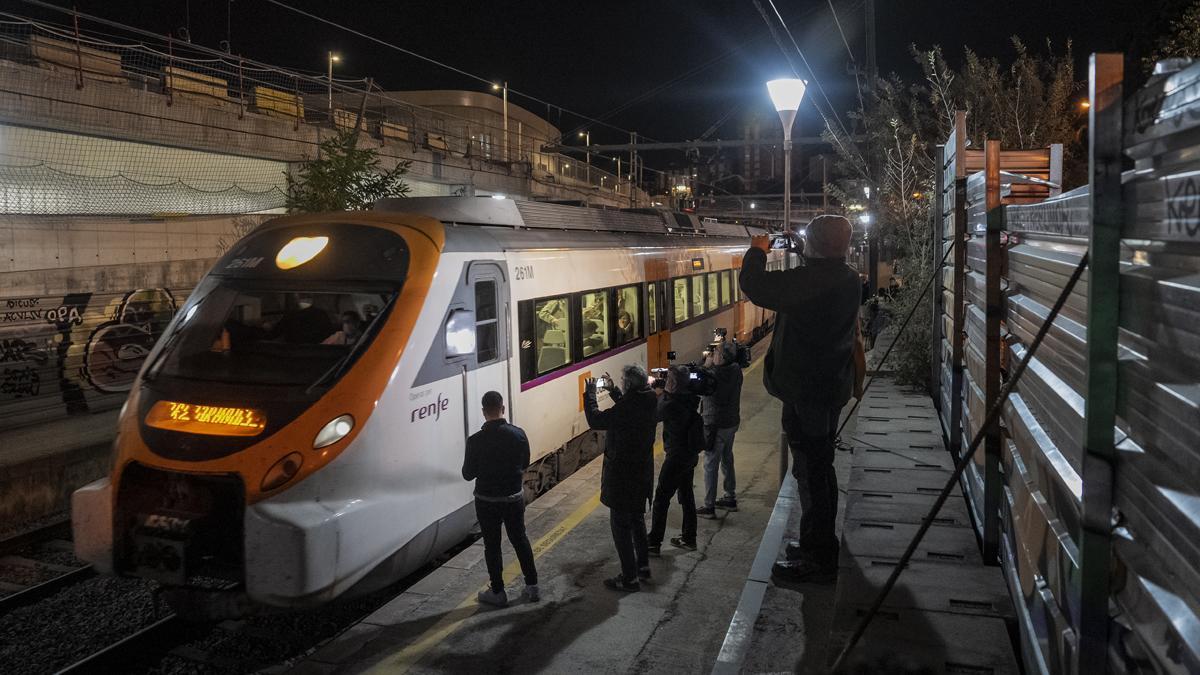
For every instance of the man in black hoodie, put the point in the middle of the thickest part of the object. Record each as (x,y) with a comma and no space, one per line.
(496,458)
(683,439)
(816,362)
(629,427)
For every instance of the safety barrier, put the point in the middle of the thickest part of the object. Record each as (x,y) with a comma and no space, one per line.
(1087,492)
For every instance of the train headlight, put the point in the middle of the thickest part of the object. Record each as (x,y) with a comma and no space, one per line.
(282,471)
(460,333)
(333,432)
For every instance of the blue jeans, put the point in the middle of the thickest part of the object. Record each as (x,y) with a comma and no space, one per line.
(719,454)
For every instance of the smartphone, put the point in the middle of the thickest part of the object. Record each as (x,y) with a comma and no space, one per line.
(602,382)
(780,242)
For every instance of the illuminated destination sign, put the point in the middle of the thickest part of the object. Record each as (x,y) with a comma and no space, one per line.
(206,419)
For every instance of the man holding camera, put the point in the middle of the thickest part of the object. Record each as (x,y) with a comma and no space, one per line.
(815,363)
(628,474)
(722,416)
(683,439)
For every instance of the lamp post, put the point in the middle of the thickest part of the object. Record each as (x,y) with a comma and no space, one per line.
(503,88)
(587,141)
(786,94)
(332,59)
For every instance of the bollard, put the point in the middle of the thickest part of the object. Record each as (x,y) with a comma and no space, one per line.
(783,457)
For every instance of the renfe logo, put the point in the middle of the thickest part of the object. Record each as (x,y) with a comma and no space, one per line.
(433,409)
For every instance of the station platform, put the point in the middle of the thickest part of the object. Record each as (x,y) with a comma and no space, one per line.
(676,623)
(712,610)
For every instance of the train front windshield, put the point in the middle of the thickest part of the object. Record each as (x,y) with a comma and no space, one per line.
(247,333)
(287,306)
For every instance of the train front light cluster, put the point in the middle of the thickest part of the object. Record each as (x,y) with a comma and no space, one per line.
(333,432)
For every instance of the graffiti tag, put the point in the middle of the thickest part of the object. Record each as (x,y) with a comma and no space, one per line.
(20,382)
(1183,207)
(16,349)
(64,315)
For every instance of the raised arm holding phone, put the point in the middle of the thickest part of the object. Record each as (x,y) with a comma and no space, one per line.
(815,364)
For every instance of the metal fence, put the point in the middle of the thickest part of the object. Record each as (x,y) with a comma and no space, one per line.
(1087,492)
(124,58)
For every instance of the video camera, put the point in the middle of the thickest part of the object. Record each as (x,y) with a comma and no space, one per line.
(742,351)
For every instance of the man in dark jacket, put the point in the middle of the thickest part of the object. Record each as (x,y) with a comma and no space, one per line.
(496,458)
(629,427)
(722,416)
(683,439)
(815,364)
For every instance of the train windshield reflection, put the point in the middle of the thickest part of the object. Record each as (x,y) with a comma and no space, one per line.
(261,335)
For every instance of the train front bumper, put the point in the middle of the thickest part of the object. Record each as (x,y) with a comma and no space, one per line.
(92,524)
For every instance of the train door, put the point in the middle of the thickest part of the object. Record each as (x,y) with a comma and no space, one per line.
(489,295)
(658,334)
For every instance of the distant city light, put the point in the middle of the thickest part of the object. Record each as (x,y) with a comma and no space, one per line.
(867,191)
(865,219)
(499,197)
(753,205)
(1085,104)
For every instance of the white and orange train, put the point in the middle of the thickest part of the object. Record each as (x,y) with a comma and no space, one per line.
(299,427)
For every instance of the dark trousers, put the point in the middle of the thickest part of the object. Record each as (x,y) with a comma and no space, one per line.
(629,536)
(810,432)
(512,516)
(674,478)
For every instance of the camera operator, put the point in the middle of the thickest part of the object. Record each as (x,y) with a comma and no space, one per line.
(815,363)
(628,474)
(683,439)
(722,416)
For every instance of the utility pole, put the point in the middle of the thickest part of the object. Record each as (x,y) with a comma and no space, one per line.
(871,74)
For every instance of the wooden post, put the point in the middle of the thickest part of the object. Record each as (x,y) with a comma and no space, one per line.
(170,69)
(1099,457)
(992,483)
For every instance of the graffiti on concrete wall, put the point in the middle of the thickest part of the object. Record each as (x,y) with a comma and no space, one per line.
(116,348)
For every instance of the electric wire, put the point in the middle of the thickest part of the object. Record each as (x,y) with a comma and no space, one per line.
(444,65)
(961,465)
(840,31)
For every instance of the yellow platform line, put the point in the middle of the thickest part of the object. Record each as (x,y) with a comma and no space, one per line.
(406,658)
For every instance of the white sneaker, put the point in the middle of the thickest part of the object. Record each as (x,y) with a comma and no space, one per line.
(532,593)
(495,598)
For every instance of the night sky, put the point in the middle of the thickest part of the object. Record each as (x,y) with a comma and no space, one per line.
(592,57)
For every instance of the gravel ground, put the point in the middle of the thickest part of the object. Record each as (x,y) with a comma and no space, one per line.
(75,622)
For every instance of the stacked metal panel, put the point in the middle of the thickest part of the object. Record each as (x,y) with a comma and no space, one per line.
(1155,603)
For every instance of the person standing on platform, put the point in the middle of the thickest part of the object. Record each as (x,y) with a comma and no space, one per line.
(496,458)
(815,364)
(722,416)
(629,427)
(683,439)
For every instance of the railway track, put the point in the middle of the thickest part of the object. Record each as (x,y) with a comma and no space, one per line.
(37,564)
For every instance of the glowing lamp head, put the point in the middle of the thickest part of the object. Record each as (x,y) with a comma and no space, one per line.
(786,93)
(299,251)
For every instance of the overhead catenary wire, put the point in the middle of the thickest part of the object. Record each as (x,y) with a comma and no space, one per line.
(441,64)
(961,464)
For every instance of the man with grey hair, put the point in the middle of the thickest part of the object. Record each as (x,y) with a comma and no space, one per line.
(627,477)
(815,364)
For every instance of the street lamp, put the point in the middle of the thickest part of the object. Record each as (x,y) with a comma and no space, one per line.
(786,94)
(333,58)
(504,89)
(587,136)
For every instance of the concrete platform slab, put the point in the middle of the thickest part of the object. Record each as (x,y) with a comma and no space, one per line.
(898,507)
(935,586)
(885,542)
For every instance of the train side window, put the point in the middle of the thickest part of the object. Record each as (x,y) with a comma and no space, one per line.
(725,296)
(553,334)
(697,295)
(679,291)
(629,315)
(714,299)
(652,308)
(594,316)
(487,323)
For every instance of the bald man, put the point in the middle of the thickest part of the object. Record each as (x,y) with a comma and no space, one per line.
(815,364)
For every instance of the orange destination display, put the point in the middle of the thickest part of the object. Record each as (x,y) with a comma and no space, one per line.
(206,419)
